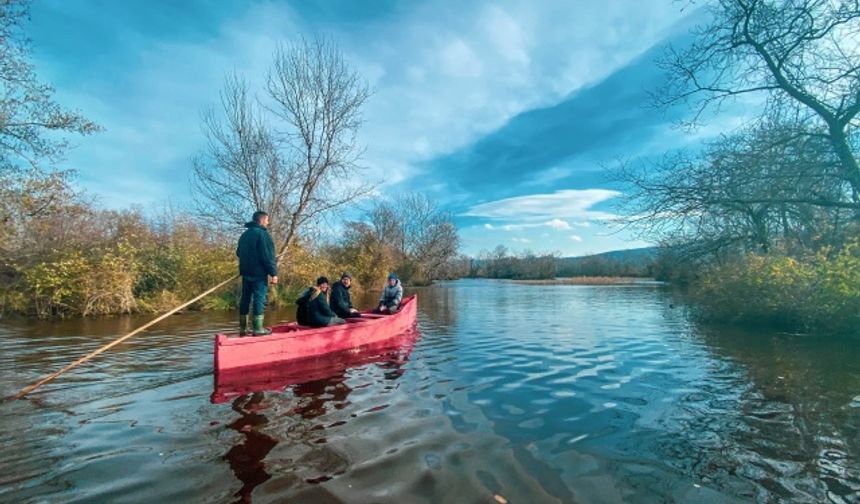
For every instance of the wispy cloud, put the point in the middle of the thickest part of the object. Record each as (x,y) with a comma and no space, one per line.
(567,203)
(554,224)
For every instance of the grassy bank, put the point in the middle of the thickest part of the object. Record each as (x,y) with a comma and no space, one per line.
(135,265)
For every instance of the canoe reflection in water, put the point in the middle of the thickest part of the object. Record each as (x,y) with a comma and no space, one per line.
(246,458)
(315,385)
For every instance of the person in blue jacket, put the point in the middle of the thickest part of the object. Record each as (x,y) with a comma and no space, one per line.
(392,294)
(257,263)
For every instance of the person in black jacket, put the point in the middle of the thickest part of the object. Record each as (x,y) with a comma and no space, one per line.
(319,312)
(341,303)
(257,262)
(302,307)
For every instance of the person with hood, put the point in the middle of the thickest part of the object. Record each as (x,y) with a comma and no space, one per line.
(392,293)
(257,262)
(318,309)
(341,303)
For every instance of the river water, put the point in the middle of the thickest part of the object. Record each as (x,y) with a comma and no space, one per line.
(524,393)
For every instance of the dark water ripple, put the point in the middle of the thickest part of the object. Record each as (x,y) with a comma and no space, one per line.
(537,394)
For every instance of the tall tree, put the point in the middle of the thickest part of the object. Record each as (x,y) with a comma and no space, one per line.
(293,151)
(802,56)
(32,125)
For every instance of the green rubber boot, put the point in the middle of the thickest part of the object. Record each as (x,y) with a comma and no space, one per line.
(243,325)
(259,330)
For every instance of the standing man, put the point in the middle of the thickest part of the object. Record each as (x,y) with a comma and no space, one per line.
(257,262)
(341,303)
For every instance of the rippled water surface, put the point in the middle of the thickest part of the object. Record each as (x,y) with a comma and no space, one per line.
(533,393)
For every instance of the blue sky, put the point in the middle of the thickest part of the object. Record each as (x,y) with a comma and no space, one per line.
(504,112)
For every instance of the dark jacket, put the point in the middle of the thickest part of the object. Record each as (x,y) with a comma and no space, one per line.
(340,300)
(319,312)
(303,307)
(256,252)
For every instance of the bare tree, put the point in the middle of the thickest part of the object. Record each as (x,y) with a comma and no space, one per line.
(746,191)
(430,237)
(801,55)
(411,233)
(292,152)
(241,170)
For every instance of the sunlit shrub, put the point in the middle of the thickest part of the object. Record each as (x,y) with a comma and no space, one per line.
(106,287)
(54,285)
(818,292)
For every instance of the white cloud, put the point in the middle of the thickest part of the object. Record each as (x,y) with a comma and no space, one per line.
(554,223)
(558,224)
(568,203)
(520,240)
(506,34)
(576,238)
(455,72)
(459,60)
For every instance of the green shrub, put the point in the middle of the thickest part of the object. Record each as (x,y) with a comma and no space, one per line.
(54,284)
(818,292)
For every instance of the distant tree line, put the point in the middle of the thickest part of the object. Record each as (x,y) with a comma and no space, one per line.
(603,265)
(503,263)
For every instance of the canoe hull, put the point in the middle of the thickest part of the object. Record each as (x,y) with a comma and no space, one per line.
(293,343)
(391,353)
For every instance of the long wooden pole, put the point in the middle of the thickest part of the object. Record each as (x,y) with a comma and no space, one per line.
(26,390)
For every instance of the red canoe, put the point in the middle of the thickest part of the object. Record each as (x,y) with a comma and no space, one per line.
(391,354)
(292,342)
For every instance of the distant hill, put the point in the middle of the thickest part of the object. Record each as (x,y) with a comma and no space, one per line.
(643,253)
(630,262)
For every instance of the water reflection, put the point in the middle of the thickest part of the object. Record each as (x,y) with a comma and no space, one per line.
(230,384)
(246,458)
(793,416)
(538,394)
(439,306)
(298,403)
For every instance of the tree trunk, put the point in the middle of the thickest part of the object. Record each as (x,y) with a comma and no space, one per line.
(850,166)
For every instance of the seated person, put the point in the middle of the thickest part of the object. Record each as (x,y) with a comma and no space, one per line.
(319,312)
(341,303)
(302,307)
(392,293)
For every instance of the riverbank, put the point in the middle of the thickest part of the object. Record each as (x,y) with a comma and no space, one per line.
(588,280)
